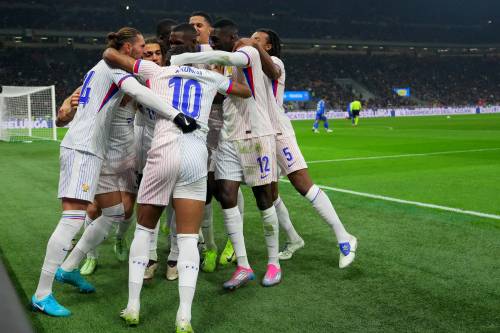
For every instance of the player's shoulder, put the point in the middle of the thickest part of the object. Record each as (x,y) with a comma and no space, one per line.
(251,52)
(278,61)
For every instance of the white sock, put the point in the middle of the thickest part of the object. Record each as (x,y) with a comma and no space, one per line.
(57,247)
(284,220)
(241,204)
(207,228)
(123,227)
(324,207)
(271,233)
(93,254)
(173,255)
(153,243)
(94,235)
(187,266)
(234,228)
(137,262)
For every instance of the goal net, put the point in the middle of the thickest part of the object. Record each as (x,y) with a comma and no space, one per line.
(27,113)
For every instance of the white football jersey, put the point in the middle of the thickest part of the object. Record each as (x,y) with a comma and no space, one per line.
(187,89)
(121,149)
(276,89)
(99,98)
(247,117)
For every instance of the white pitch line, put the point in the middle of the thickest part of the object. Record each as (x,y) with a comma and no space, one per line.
(407,202)
(403,155)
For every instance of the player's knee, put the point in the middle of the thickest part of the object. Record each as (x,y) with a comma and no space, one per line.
(227,199)
(93,211)
(116,212)
(301,181)
(128,206)
(263,196)
(274,191)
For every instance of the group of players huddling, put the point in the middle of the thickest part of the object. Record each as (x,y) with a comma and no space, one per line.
(178,135)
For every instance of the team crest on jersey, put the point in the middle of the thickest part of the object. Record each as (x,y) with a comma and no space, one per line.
(228,71)
(85,187)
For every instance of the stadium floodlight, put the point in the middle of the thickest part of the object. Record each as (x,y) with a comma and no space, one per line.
(27,114)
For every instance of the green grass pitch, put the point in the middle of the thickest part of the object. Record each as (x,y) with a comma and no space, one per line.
(416,270)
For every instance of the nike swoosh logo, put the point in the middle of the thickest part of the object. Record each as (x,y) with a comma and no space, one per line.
(186,122)
(41,308)
(66,250)
(262,177)
(289,165)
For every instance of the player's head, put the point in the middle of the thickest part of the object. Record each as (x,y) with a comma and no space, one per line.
(178,49)
(154,51)
(163,29)
(128,41)
(202,22)
(325,98)
(269,40)
(224,35)
(183,34)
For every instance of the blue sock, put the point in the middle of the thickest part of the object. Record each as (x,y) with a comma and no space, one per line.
(326,124)
(315,126)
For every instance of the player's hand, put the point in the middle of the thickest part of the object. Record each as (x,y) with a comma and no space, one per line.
(186,124)
(244,42)
(75,99)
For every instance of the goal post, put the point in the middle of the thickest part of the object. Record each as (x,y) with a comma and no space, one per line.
(27,113)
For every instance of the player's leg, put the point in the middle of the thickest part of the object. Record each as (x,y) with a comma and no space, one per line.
(302,182)
(172,272)
(326,125)
(209,254)
(112,212)
(188,202)
(289,158)
(228,255)
(260,170)
(121,247)
(90,264)
(228,175)
(316,124)
(153,254)
(263,197)
(356,118)
(71,221)
(79,174)
(294,241)
(147,218)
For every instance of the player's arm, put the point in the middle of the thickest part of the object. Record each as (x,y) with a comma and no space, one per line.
(239,89)
(118,60)
(67,111)
(146,97)
(222,58)
(268,66)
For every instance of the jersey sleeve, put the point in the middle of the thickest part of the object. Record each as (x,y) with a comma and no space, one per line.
(224,84)
(118,76)
(281,66)
(145,69)
(253,57)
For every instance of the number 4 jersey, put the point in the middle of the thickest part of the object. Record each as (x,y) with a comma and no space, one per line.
(99,98)
(187,89)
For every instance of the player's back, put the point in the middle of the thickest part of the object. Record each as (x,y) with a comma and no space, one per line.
(188,89)
(99,97)
(247,117)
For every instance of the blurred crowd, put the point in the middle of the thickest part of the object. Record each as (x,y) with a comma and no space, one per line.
(363,20)
(433,80)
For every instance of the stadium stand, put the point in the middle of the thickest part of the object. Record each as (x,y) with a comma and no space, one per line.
(360,20)
(433,80)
